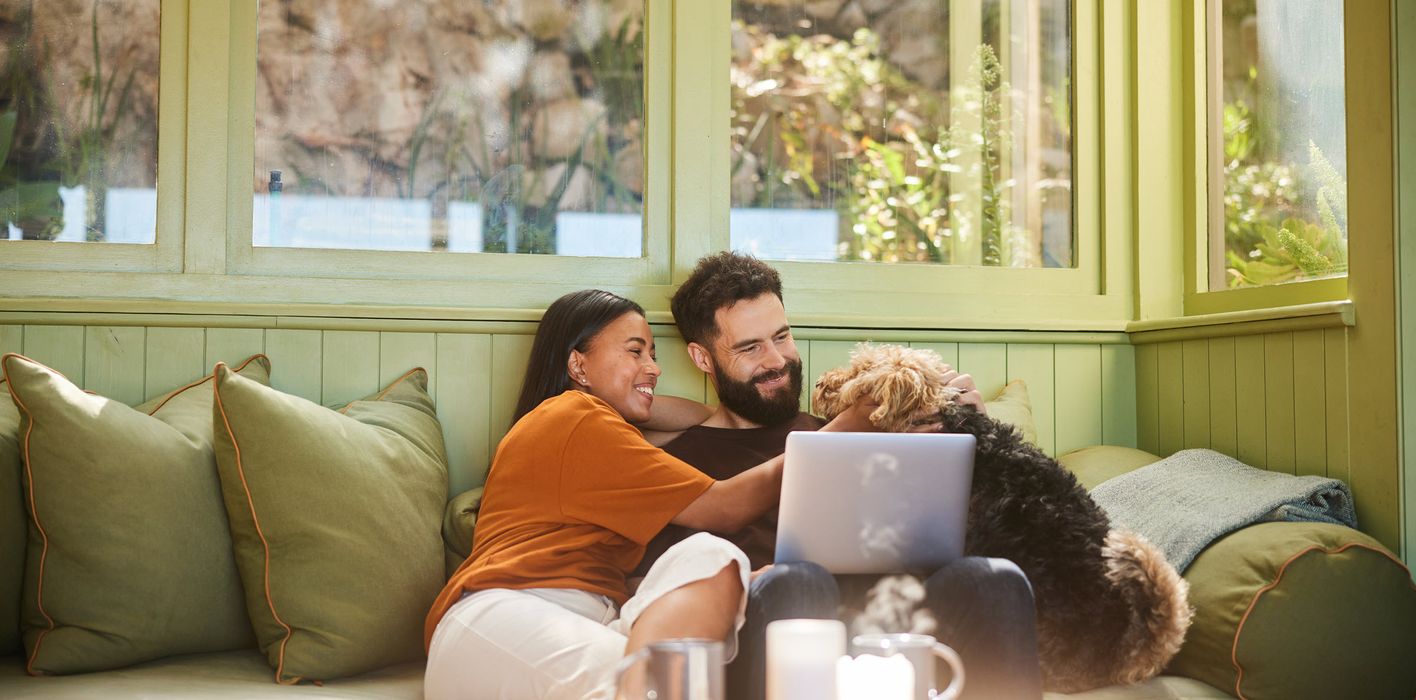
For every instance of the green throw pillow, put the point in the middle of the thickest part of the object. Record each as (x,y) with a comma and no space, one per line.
(1013,406)
(127,556)
(1301,610)
(459,524)
(335,517)
(1096,464)
(12,524)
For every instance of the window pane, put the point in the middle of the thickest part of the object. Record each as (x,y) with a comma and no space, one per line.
(78,120)
(1284,150)
(910,131)
(453,126)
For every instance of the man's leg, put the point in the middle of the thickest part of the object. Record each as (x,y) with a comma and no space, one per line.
(985,611)
(785,591)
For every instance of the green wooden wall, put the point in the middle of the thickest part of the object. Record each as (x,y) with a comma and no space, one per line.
(1082,388)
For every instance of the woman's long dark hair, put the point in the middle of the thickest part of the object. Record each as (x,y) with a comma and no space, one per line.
(570,323)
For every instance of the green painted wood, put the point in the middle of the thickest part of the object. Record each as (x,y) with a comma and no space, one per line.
(807,383)
(679,376)
(58,347)
(1194,356)
(1278,392)
(1309,404)
(988,364)
(1035,365)
(296,362)
(464,384)
(12,339)
(825,355)
(1079,395)
(1170,390)
(400,352)
(174,358)
(1224,436)
(1249,401)
(232,345)
(509,353)
(1148,398)
(114,362)
(349,368)
(1339,464)
(1118,395)
(949,352)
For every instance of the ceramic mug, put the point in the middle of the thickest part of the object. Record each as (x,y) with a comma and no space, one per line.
(921,650)
(677,669)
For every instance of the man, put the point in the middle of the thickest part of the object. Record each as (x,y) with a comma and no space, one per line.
(731,315)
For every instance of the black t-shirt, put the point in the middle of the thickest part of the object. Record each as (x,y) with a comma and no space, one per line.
(723,453)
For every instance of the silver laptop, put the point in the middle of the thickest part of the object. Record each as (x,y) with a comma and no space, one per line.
(875,503)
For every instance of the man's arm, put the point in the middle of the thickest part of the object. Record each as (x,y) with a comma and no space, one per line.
(669,416)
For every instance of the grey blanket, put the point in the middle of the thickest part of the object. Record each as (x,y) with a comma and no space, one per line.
(1187,500)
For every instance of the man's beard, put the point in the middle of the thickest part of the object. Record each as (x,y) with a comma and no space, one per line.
(744,399)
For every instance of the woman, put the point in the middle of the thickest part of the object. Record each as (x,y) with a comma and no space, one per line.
(541,609)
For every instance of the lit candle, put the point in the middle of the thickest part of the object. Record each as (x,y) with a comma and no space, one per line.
(871,677)
(801,658)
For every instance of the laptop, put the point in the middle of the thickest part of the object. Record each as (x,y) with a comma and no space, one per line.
(875,503)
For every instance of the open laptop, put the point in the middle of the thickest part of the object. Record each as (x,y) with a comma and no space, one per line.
(875,503)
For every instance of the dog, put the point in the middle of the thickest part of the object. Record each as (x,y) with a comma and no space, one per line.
(1110,608)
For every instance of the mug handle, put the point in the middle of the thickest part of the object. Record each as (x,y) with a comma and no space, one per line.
(956,664)
(628,662)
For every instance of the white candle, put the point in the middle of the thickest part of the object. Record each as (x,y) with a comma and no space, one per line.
(871,677)
(801,658)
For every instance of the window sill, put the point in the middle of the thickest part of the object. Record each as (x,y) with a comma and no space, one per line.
(1326,314)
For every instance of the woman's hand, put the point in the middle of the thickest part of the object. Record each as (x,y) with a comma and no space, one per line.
(968,391)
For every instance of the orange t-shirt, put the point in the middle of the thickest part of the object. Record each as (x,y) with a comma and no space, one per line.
(573,496)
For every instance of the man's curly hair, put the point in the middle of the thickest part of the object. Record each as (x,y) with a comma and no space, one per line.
(718,282)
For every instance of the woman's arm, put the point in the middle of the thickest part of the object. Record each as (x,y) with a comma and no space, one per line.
(672,414)
(732,504)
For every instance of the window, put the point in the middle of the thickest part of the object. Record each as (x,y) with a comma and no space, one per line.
(903,132)
(513,127)
(78,121)
(1278,164)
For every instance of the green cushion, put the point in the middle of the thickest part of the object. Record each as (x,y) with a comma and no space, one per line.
(12,524)
(1301,610)
(459,524)
(335,517)
(127,556)
(1096,464)
(1013,406)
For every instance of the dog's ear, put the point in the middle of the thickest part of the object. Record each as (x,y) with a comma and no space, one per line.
(902,393)
(826,398)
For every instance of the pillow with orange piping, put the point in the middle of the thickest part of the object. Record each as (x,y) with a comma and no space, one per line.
(336,520)
(127,557)
(12,524)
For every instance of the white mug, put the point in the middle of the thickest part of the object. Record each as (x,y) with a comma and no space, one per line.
(921,650)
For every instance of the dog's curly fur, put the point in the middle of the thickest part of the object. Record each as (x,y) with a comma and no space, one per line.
(1110,608)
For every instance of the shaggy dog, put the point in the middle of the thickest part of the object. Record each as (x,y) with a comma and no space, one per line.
(1110,608)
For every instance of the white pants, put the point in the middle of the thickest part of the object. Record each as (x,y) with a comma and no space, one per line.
(559,644)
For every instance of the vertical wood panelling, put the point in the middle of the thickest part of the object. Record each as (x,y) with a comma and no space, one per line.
(174,357)
(350,366)
(233,345)
(807,384)
(509,353)
(1309,404)
(1148,398)
(949,352)
(679,376)
(1194,357)
(1170,378)
(1034,365)
(1118,395)
(1079,396)
(1249,400)
(59,347)
(400,352)
(1278,389)
(464,383)
(1335,374)
(1222,418)
(12,339)
(826,355)
(114,362)
(296,362)
(988,363)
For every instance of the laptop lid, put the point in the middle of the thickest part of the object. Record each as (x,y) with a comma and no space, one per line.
(875,503)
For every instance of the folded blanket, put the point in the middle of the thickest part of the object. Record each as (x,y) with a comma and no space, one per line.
(1187,500)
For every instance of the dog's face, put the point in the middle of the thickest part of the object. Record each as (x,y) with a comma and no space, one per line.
(908,384)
